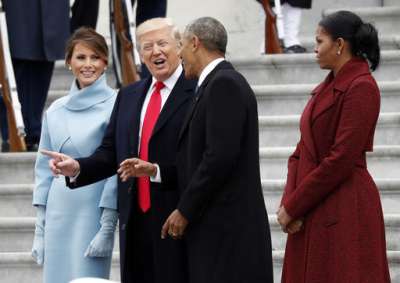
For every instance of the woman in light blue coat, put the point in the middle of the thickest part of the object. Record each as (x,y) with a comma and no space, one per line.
(74,233)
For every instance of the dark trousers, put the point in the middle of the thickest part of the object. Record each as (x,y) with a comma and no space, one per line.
(139,251)
(33,82)
(148,9)
(84,13)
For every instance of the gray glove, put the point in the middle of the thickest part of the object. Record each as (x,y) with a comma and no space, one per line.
(38,240)
(103,243)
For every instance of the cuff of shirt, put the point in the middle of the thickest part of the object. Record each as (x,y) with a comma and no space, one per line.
(73,179)
(157,177)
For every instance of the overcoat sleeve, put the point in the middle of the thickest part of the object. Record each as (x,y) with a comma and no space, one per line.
(292,173)
(43,175)
(109,197)
(103,162)
(224,131)
(358,117)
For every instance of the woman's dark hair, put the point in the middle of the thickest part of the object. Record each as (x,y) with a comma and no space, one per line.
(363,37)
(90,38)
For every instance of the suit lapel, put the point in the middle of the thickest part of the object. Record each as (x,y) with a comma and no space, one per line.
(179,94)
(136,102)
(199,95)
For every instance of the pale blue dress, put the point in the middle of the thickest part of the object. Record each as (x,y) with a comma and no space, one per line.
(74,125)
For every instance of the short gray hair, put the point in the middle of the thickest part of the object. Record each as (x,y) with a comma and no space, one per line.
(210,32)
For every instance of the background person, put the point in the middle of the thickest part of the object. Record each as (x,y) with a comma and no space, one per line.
(330,199)
(35,43)
(74,235)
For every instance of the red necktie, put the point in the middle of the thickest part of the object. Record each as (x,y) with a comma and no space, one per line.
(150,119)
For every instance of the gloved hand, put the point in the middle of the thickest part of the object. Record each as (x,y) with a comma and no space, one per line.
(103,243)
(38,240)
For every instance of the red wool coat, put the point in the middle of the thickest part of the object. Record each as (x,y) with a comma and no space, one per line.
(328,184)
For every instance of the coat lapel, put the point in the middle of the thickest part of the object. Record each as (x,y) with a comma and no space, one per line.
(136,101)
(180,93)
(305,128)
(325,95)
(199,95)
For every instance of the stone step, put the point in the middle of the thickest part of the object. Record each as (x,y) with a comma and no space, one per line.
(302,68)
(389,190)
(17,167)
(385,19)
(386,41)
(16,233)
(383,163)
(284,130)
(391,2)
(291,98)
(19,267)
(16,200)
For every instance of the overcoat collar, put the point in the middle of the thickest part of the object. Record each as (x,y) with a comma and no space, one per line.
(328,92)
(221,66)
(81,99)
(179,94)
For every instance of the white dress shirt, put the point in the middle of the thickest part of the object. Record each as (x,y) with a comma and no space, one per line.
(208,69)
(165,92)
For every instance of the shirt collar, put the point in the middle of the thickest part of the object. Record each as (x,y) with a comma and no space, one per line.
(208,69)
(171,81)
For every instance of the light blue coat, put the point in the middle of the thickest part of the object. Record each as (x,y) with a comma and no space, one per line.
(74,125)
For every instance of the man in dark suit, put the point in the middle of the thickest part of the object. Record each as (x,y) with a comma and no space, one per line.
(221,212)
(138,128)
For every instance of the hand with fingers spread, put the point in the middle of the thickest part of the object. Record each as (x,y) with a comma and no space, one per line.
(135,167)
(62,164)
(174,226)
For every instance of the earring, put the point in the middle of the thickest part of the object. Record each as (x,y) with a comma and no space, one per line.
(338,52)
(69,67)
(105,69)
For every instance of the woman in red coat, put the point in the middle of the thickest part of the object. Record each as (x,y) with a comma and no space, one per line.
(331,208)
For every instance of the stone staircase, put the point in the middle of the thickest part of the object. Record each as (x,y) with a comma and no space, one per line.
(282,84)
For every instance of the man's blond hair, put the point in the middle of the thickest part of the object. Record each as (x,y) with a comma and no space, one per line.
(156,24)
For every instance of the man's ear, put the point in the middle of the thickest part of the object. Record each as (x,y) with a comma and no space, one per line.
(195,43)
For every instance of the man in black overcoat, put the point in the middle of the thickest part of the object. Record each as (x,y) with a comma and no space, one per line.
(221,211)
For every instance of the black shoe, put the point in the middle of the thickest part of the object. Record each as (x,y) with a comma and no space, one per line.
(32,147)
(294,49)
(5,146)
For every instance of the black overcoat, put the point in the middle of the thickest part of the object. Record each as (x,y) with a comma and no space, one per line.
(121,142)
(228,236)
(305,4)
(37,29)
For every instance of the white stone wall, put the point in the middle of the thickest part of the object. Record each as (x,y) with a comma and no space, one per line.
(244,19)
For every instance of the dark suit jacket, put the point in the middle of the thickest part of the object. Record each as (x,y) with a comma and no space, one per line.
(228,237)
(121,142)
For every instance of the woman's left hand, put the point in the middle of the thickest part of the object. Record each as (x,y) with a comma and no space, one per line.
(283,218)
